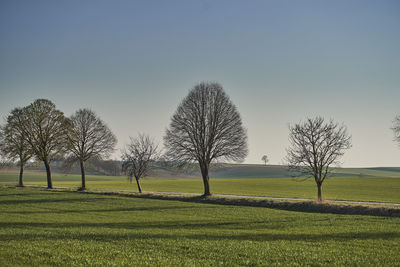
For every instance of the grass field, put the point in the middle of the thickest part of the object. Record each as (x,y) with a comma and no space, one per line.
(353,188)
(40,227)
(281,171)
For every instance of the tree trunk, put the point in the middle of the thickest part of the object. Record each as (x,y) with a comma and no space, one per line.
(206,182)
(21,174)
(48,171)
(319,185)
(83,187)
(138,185)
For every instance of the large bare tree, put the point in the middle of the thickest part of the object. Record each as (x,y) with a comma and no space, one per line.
(316,145)
(44,128)
(13,144)
(206,127)
(89,137)
(137,157)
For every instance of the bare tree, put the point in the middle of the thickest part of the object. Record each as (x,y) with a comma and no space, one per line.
(206,127)
(265,159)
(315,147)
(137,156)
(396,129)
(44,128)
(13,144)
(89,137)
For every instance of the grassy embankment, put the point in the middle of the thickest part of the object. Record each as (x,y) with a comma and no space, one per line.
(40,227)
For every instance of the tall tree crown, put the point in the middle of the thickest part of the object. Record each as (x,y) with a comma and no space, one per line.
(138,155)
(206,126)
(13,144)
(89,136)
(44,128)
(316,145)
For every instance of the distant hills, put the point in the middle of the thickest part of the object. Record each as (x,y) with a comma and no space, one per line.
(277,171)
(273,171)
(226,171)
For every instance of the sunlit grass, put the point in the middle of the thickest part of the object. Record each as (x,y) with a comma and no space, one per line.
(40,227)
(363,189)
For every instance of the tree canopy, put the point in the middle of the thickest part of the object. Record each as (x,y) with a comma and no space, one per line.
(89,137)
(45,129)
(206,127)
(316,145)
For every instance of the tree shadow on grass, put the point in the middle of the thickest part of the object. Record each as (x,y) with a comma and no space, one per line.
(306,206)
(24,194)
(48,200)
(141,225)
(83,210)
(342,237)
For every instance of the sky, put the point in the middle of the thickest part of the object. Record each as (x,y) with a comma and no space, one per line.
(132,62)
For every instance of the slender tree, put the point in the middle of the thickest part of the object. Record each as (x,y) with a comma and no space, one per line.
(265,159)
(89,137)
(45,130)
(206,127)
(315,146)
(137,156)
(13,144)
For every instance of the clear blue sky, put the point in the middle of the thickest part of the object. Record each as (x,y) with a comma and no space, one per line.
(280,61)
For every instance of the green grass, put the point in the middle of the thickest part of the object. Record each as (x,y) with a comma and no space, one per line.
(281,171)
(353,188)
(40,227)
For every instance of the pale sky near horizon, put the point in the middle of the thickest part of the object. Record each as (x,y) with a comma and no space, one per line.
(280,62)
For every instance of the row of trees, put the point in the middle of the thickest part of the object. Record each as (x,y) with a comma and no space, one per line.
(42,131)
(205,128)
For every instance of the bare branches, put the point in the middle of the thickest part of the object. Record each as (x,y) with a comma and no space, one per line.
(137,156)
(89,137)
(44,128)
(315,146)
(206,127)
(13,144)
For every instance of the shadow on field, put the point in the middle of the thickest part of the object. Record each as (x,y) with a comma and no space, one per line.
(205,236)
(299,206)
(46,200)
(24,194)
(303,206)
(141,225)
(83,210)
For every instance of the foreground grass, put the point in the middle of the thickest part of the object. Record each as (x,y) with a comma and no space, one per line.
(362,189)
(40,227)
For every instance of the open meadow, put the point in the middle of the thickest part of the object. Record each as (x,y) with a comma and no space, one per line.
(385,189)
(199,133)
(42,227)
